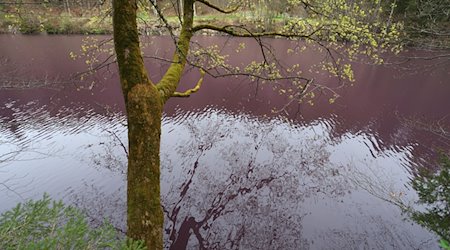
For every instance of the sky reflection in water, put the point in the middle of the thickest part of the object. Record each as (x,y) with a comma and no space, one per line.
(234,175)
(232,180)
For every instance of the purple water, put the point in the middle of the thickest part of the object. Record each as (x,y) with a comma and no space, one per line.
(235,175)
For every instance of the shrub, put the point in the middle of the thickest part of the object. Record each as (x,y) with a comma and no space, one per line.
(47,224)
(434,192)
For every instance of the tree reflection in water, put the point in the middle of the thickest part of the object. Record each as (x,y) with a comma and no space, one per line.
(242,182)
(429,206)
(234,181)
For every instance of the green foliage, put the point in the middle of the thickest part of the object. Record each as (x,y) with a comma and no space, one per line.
(46,18)
(29,25)
(434,11)
(18,20)
(67,24)
(444,244)
(426,22)
(47,224)
(434,192)
(63,23)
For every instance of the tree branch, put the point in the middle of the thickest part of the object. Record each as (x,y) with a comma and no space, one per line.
(298,96)
(188,92)
(231,30)
(217,8)
(169,82)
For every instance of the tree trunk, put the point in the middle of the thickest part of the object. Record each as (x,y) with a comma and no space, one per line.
(154,8)
(68,7)
(145,217)
(144,109)
(144,104)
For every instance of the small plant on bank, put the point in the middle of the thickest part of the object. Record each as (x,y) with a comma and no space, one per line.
(47,224)
(445,244)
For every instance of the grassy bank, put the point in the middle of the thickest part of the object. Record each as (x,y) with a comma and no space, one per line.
(53,19)
(45,19)
(53,22)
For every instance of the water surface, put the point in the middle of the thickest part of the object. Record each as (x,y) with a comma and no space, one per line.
(235,175)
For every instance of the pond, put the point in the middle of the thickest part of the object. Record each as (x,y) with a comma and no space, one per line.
(235,174)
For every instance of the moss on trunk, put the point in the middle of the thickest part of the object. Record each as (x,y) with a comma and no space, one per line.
(145,216)
(144,110)
(144,103)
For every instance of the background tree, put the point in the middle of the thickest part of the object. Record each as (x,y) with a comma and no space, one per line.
(344,26)
(426,22)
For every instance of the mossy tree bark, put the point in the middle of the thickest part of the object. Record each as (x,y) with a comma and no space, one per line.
(144,102)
